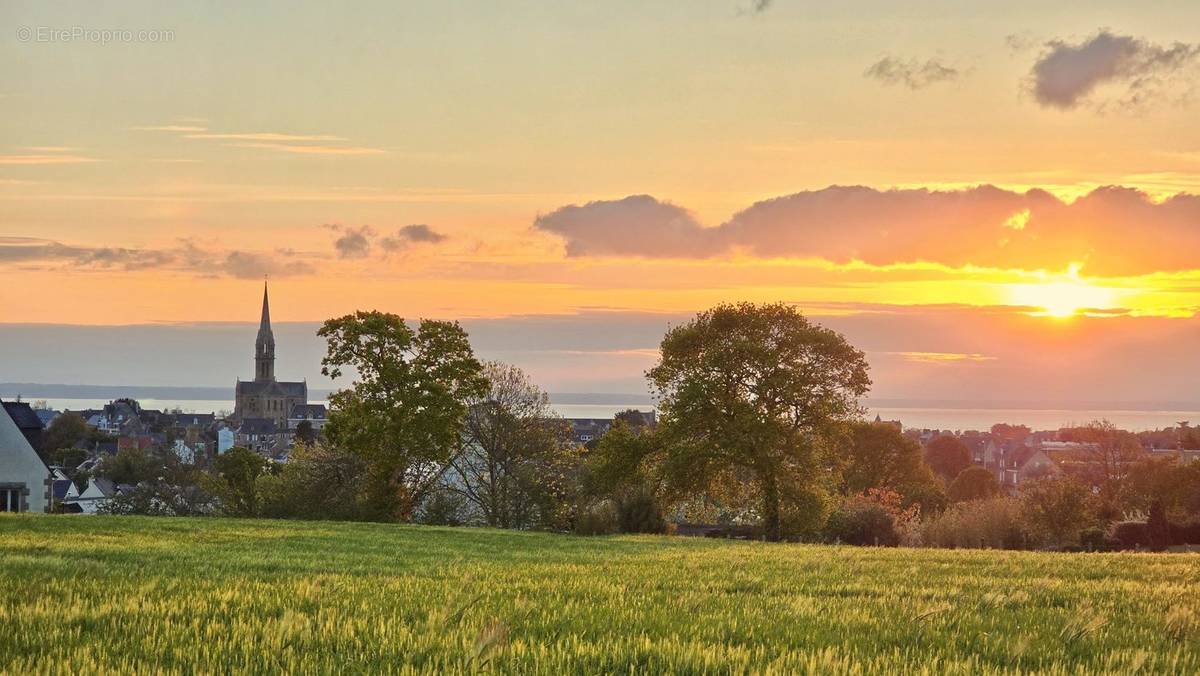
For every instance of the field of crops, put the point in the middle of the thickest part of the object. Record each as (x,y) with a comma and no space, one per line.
(126,594)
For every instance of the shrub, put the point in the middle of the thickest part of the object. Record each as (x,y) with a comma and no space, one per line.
(1157,528)
(1131,534)
(860,523)
(1095,540)
(443,508)
(1056,510)
(1185,533)
(991,524)
(598,519)
(638,512)
(973,483)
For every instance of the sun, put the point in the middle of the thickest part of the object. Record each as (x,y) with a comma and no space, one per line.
(1063,295)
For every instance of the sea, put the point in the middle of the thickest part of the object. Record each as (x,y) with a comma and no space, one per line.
(932,417)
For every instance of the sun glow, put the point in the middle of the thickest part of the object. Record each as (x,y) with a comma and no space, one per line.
(1063,295)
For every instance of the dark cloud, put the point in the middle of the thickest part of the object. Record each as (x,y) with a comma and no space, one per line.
(188,256)
(638,225)
(911,73)
(252,265)
(353,242)
(1066,74)
(759,6)
(411,234)
(1112,230)
(30,249)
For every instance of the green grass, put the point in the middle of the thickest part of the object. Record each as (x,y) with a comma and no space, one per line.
(128,594)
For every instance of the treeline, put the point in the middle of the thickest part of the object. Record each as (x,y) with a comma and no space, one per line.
(759,433)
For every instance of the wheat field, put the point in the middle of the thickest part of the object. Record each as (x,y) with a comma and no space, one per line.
(163,595)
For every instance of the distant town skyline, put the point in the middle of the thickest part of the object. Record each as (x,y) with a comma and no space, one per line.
(994,202)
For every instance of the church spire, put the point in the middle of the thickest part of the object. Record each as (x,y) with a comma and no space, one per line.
(266,311)
(264,345)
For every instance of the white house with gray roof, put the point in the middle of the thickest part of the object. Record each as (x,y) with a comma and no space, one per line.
(24,478)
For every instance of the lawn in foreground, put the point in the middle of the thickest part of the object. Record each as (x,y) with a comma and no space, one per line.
(125,594)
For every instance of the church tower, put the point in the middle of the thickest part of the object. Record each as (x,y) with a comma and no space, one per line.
(264,345)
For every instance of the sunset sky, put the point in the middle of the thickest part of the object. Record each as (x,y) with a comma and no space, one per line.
(995,200)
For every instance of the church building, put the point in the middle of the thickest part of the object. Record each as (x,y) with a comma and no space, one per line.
(265,397)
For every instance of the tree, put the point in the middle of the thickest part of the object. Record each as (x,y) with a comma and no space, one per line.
(947,456)
(973,483)
(403,415)
(512,447)
(317,482)
(878,455)
(1011,432)
(65,431)
(131,466)
(754,393)
(1056,510)
(236,472)
(1105,457)
(1175,486)
(305,432)
(1157,528)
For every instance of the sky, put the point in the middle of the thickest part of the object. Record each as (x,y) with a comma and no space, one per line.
(993,200)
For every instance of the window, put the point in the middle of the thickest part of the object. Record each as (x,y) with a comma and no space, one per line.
(10,498)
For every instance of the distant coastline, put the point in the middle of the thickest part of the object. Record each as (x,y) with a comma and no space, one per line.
(29,391)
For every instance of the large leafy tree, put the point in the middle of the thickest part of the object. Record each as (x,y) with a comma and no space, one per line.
(948,456)
(878,455)
(403,414)
(753,393)
(513,450)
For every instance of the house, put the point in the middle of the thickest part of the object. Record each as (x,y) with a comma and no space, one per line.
(46,415)
(584,430)
(1026,464)
(27,421)
(25,480)
(225,439)
(97,494)
(315,414)
(258,434)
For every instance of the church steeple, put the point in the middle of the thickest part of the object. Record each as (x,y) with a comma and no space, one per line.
(264,345)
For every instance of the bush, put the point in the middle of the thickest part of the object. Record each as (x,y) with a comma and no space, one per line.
(1157,528)
(1131,534)
(1096,540)
(638,512)
(1056,510)
(1185,533)
(317,482)
(598,519)
(443,508)
(973,483)
(990,524)
(858,523)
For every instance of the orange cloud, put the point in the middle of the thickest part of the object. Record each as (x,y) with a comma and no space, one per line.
(1110,231)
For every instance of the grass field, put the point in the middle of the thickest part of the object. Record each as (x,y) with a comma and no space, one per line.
(126,594)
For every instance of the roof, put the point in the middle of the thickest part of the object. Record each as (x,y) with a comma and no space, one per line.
(61,486)
(23,415)
(308,411)
(257,426)
(193,419)
(272,387)
(45,415)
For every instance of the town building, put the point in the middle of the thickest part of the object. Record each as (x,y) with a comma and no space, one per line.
(265,397)
(25,480)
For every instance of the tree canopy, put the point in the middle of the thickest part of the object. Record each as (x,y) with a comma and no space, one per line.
(754,392)
(403,413)
(947,456)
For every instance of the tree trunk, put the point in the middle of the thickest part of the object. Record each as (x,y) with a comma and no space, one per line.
(772,530)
